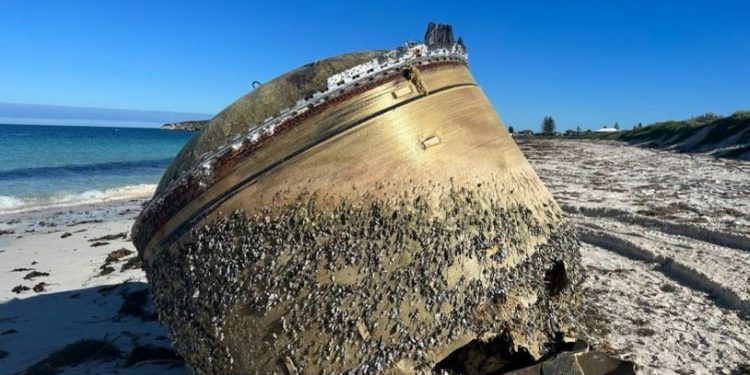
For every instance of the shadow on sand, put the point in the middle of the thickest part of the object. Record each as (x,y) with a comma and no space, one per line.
(34,327)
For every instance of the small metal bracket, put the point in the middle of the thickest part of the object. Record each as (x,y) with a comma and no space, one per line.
(430,141)
(403,92)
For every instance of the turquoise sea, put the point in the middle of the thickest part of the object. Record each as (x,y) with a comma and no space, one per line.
(58,165)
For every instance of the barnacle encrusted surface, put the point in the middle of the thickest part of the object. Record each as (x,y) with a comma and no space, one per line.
(389,282)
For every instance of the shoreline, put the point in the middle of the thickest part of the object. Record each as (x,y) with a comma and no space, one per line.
(90,197)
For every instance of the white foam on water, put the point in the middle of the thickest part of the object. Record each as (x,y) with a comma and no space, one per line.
(12,204)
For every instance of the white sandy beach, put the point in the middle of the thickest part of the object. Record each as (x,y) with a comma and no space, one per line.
(665,244)
(74,301)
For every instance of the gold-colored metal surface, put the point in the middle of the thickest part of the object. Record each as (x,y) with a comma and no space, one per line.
(405,123)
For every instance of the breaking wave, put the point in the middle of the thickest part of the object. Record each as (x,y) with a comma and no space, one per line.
(11,204)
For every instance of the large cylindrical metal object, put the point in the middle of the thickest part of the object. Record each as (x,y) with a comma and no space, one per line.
(379,233)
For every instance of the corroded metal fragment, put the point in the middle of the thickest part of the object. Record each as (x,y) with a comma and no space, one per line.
(383,225)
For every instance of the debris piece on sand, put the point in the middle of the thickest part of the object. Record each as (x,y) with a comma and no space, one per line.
(38,288)
(364,213)
(85,222)
(20,288)
(132,263)
(106,270)
(111,237)
(118,254)
(113,257)
(34,274)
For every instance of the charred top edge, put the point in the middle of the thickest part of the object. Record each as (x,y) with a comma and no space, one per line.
(262,109)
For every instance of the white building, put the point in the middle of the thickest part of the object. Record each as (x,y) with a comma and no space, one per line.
(606,130)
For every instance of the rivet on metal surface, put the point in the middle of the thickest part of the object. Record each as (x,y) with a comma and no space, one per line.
(364,333)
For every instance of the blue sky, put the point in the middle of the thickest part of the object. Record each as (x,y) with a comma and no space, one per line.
(587,64)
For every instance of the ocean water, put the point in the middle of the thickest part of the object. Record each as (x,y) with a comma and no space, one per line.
(43,166)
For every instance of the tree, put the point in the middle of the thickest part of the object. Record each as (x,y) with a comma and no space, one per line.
(578,129)
(640,125)
(617,126)
(548,125)
(510,130)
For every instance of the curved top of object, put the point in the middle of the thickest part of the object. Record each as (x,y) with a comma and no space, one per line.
(266,112)
(259,104)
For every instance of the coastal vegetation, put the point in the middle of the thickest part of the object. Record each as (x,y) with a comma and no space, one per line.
(709,133)
(721,136)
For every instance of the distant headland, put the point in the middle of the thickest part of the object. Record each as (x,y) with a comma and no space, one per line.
(41,114)
(185,125)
